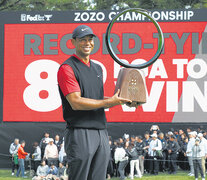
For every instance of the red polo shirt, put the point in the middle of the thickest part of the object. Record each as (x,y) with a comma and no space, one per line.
(21,153)
(67,80)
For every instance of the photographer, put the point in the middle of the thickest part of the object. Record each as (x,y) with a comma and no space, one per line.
(197,151)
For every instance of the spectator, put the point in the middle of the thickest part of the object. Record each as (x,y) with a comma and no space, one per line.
(154,129)
(140,146)
(164,152)
(62,154)
(147,142)
(21,156)
(189,152)
(133,139)
(52,172)
(41,171)
(110,168)
(51,153)
(134,160)
(13,149)
(36,156)
(121,157)
(173,149)
(57,142)
(203,142)
(154,146)
(182,154)
(44,142)
(121,141)
(197,152)
(61,172)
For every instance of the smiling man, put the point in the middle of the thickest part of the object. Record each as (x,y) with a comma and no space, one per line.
(81,89)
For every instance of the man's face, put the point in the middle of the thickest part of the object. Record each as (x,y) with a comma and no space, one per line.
(16,142)
(47,135)
(146,136)
(57,138)
(180,131)
(83,45)
(161,136)
(23,144)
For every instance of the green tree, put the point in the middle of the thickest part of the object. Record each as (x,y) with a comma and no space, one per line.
(43,5)
(64,5)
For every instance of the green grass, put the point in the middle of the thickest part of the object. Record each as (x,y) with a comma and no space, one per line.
(6,175)
(181,175)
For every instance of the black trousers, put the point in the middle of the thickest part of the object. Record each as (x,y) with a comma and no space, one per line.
(173,163)
(121,169)
(154,165)
(88,153)
(14,165)
(198,167)
(35,165)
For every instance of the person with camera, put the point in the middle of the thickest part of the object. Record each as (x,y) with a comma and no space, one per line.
(197,151)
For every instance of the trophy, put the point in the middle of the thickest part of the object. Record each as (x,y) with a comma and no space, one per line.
(131,79)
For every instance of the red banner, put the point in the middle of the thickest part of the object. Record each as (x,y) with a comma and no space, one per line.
(33,53)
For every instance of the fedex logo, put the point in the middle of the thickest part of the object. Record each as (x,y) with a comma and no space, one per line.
(37,17)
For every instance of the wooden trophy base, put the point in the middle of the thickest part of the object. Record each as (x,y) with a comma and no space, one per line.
(131,83)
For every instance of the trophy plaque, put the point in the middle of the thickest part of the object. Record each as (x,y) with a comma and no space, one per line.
(131,83)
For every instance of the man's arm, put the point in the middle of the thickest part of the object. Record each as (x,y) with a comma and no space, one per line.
(80,103)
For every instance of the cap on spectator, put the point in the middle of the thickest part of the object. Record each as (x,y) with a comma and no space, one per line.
(51,140)
(170,133)
(82,31)
(155,127)
(126,136)
(140,137)
(200,135)
(197,139)
(191,133)
(195,133)
(154,135)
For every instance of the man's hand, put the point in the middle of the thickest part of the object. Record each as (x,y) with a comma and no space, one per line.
(116,100)
(80,103)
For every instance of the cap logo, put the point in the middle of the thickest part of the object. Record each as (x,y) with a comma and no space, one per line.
(84,29)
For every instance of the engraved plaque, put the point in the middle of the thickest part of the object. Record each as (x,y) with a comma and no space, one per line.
(131,83)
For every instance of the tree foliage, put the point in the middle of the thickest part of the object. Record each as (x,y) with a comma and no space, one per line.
(64,5)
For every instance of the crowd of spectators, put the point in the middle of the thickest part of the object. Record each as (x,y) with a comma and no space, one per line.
(48,158)
(155,151)
(131,155)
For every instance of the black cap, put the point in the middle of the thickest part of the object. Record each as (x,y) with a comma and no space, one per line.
(82,31)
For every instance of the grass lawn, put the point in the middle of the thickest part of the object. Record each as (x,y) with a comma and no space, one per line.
(6,175)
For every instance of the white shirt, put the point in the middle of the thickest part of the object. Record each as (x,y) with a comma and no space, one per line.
(190,145)
(154,144)
(204,144)
(120,154)
(51,151)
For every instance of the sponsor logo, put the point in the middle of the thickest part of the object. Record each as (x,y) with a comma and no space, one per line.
(36,17)
(84,29)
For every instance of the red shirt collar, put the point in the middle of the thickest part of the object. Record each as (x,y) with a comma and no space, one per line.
(87,64)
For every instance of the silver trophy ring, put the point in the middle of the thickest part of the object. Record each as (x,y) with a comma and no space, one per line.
(160,40)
